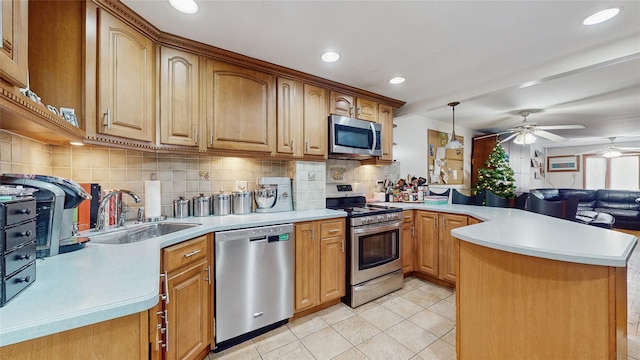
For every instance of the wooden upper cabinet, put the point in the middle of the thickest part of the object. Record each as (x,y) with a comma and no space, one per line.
(179,97)
(126,76)
(315,121)
(366,110)
(289,116)
(241,108)
(341,104)
(385,118)
(14,56)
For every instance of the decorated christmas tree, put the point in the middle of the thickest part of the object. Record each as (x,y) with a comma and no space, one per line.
(496,175)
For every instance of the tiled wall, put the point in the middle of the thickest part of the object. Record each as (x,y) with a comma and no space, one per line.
(180,175)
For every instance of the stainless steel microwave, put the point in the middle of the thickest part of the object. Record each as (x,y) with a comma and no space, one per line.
(353,139)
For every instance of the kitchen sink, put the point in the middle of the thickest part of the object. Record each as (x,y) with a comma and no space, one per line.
(138,233)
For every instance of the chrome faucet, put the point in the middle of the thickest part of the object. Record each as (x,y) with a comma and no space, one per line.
(119,214)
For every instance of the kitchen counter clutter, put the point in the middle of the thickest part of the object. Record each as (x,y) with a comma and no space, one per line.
(107,281)
(103,281)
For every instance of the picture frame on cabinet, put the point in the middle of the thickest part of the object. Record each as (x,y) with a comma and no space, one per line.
(70,116)
(53,110)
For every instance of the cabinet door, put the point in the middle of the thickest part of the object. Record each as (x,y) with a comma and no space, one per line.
(408,248)
(14,49)
(385,118)
(315,120)
(341,104)
(126,80)
(289,116)
(307,264)
(241,111)
(332,260)
(427,242)
(367,110)
(448,245)
(188,311)
(472,220)
(179,94)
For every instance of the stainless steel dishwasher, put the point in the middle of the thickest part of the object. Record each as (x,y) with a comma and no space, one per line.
(254,282)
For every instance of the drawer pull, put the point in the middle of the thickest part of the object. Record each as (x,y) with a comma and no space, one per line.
(26,211)
(25,279)
(192,253)
(333,231)
(27,233)
(24,257)
(407,217)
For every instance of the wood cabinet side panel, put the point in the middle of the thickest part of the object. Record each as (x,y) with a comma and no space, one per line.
(385,118)
(510,304)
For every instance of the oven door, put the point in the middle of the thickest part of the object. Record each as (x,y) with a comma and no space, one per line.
(375,251)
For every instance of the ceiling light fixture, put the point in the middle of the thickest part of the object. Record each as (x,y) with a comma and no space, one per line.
(185,6)
(453,142)
(76,143)
(396,80)
(525,138)
(601,16)
(330,56)
(612,153)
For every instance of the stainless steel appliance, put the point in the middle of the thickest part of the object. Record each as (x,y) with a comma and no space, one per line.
(221,203)
(273,194)
(56,200)
(201,206)
(374,252)
(353,138)
(254,282)
(17,245)
(241,201)
(181,207)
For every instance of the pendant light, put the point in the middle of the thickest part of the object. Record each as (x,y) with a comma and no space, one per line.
(453,142)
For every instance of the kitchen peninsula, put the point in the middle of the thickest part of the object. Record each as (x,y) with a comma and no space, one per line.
(530,261)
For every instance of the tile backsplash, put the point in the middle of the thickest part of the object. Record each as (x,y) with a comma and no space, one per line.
(180,175)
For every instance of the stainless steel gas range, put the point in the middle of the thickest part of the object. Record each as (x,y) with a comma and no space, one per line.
(374,262)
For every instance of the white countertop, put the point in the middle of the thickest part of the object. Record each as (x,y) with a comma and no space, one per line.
(528,233)
(103,281)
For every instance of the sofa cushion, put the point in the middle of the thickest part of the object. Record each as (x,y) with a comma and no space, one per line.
(617,199)
(587,198)
(546,194)
(621,214)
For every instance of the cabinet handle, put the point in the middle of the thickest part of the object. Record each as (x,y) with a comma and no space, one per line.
(195,135)
(26,211)
(333,231)
(351,111)
(306,146)
(108,116)
(166,325)
(359,111)
(413,231)
(192,253)
(27,233)
(24,257)
(165,297)
(208,270)
(342,244)
(292,147)
(210,136)
(23,279)
(313,233)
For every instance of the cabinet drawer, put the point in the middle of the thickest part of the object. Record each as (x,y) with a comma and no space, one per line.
(17,235)
(15,212)
(184,253)
(407,216)
(17,282)
(332,228)
(19,257)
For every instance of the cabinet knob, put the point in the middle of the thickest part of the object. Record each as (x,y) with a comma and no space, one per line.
(26,211)
(23,279)
(27,233)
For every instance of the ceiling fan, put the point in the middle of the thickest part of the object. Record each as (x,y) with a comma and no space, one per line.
(526,132)
(612,150)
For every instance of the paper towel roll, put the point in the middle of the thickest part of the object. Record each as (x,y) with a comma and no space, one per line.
(153,203)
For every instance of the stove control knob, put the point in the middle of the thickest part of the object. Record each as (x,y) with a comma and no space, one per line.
(366,220)
(381,218)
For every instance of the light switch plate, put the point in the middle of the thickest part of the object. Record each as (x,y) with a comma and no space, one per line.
(241,185)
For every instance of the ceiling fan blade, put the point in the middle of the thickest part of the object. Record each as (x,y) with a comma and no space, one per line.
(589,152)
(629,148)
(509,138)
(560,127)
(490,135)
(549,136)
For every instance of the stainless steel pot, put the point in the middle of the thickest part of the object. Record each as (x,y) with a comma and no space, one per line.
(221,203)
(265,196)
(181,207)
(241,202)
(201,206)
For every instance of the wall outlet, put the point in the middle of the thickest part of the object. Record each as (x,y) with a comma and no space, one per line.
(241,185)
(311,176)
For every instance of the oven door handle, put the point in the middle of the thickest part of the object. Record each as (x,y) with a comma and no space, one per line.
(372,229)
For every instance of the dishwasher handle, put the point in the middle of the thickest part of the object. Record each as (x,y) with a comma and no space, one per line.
(258,238)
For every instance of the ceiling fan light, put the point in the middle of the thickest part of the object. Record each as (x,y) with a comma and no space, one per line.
(524,139)
(611,153)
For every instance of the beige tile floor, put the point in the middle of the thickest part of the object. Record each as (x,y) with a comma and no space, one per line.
(416,322)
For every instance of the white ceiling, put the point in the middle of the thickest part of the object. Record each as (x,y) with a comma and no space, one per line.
(480,53)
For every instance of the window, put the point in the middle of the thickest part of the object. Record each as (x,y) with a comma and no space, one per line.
(621,173)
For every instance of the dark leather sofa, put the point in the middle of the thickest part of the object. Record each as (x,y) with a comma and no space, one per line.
(623,205)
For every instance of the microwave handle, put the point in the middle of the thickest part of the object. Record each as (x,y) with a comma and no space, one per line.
(375,140)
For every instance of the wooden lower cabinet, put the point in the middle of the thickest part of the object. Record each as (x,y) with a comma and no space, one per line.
(320,262)
(435,246)
(120,338)
(185,311)
(408,237)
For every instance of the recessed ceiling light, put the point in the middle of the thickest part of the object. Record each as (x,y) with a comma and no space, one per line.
(185,6)
(601,16)
(397,80)
(330,56)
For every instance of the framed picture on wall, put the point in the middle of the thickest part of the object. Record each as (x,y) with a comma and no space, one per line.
(563,163)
